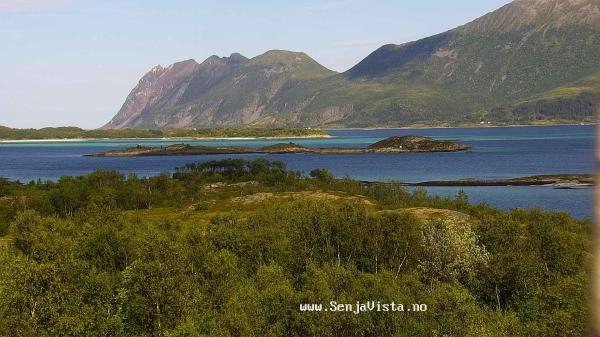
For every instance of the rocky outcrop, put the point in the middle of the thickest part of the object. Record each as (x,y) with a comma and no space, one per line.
(159,89)
(561,181)
(416,144)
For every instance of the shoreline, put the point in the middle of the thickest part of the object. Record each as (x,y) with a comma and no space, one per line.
(58,140)
(459,127)
(558,181)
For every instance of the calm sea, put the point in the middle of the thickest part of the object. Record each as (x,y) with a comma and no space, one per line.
(497,153)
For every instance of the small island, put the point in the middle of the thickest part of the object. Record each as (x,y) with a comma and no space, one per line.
(403,144)
(559,181)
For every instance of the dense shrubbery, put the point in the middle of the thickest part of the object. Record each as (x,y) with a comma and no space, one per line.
(109,255)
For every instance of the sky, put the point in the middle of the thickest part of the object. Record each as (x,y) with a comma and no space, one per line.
(73,62)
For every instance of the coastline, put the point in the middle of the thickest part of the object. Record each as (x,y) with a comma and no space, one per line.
(483,126)
(57,140)
(557,181)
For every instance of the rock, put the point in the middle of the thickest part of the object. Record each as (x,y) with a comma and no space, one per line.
(416,144)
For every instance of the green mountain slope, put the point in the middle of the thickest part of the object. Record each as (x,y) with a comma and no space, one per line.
(578,101)
(529,61)
(522,50)
(224,91)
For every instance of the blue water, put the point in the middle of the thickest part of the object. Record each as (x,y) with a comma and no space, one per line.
(497,153)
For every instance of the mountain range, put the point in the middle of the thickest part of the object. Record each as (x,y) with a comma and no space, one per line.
(529,61)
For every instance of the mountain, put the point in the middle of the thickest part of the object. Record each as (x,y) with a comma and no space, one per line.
(219,91)
(529,61)
(161,88)
(498,61)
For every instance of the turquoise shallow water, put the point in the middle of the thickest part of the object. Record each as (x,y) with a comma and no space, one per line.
(497,153)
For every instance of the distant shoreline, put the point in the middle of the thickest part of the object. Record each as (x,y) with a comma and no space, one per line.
(557,181)
(57,140)
(459,127)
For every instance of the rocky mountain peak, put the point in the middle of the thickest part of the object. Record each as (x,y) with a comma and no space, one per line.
(156,69)
(159,88)
(235,58)
(281,56)
(187,65)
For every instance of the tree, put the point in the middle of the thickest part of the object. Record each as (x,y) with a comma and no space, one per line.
(451,252)
(322,175)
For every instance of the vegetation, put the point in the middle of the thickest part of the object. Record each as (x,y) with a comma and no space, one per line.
(233,247)
(77,133)
(577,101)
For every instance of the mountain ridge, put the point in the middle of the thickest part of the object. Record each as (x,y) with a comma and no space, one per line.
(505,66)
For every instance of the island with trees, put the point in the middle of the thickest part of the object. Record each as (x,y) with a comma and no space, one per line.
(390,145)
(235,247)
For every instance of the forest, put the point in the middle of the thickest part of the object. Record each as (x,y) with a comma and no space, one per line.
(234,247)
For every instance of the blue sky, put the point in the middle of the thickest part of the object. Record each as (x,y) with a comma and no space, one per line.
(73,62)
